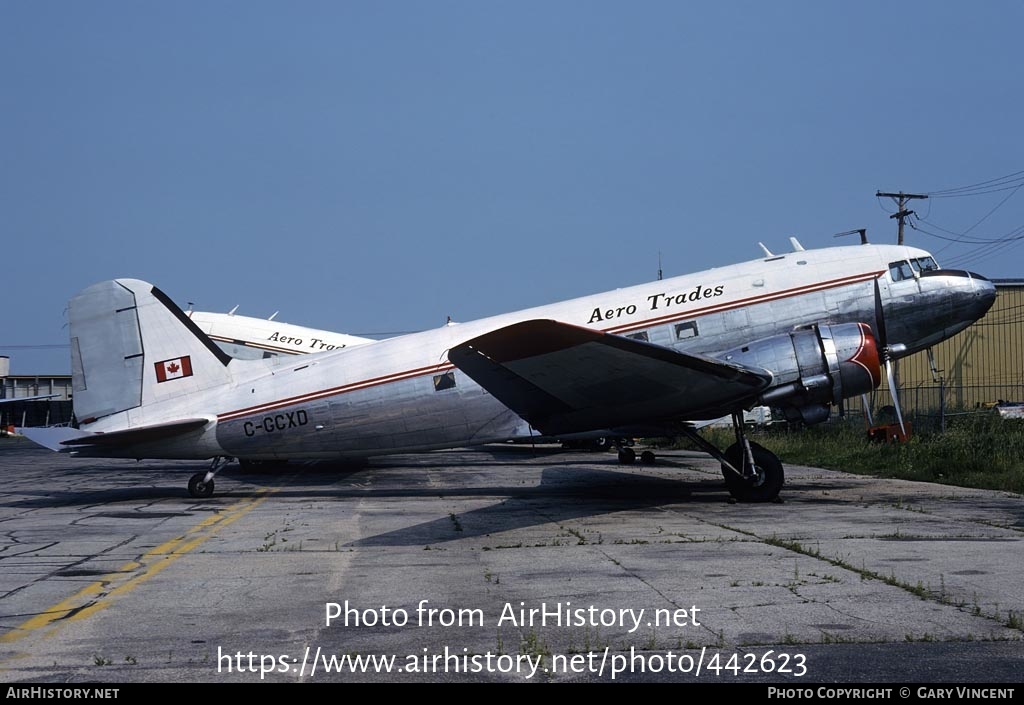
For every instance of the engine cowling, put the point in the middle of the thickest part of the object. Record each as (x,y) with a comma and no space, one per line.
(814,367)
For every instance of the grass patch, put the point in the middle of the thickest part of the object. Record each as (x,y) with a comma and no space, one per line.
(981,451)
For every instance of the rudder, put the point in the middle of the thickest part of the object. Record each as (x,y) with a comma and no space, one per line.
(132,346)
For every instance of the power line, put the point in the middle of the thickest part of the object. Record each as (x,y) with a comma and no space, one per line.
(1015,234)
(998,183)
(979,193)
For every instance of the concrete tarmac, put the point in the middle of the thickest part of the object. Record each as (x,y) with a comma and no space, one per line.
(500,564)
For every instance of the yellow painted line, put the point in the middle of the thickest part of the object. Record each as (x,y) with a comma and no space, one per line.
(97,595)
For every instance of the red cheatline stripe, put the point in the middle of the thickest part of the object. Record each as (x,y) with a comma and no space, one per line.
(247,344)
(435,369)
(750,301)
(312,396)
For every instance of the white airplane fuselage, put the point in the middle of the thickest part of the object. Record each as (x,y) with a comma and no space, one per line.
(249,338)
(402,394)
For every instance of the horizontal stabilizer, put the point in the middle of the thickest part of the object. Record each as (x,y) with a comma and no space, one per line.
(142,434)
(52,437)
(563,378)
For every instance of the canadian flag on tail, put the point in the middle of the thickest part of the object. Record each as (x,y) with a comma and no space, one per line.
(175,368)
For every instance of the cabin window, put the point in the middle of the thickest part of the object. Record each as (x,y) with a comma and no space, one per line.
(924,264)
(900,270)
(445,381)
(642,335)
(686,330)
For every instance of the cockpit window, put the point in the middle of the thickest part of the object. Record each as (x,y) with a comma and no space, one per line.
(908,269)
(900,270)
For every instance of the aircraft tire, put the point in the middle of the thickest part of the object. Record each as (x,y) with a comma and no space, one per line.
(769,482)
(647,458)
(627,456)
(199,489)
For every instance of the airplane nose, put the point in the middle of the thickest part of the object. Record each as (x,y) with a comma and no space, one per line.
(984,295)
(970,295)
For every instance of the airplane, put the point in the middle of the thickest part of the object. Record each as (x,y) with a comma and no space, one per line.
(251,338)
(799,332)
(11,400)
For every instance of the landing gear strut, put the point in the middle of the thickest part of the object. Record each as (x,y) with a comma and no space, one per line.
(752,473)
(200,485)
(761,480)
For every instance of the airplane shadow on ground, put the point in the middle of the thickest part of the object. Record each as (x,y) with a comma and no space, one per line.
(567,489)
(563,494)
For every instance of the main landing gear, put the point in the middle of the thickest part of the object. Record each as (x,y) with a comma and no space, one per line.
(752,473)
(200,485)
(627,456)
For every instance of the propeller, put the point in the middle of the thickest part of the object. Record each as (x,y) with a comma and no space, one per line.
(866,405)
(887,352)
(890,374)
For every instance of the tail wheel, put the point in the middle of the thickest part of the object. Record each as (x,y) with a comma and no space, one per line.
(199,489)
(768,478)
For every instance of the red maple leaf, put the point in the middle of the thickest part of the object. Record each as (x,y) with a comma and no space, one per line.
(173,367)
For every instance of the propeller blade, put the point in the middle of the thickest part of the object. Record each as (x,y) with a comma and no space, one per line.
(880,318)
(895,397)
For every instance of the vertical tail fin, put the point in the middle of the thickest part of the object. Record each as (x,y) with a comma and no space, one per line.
(132,346)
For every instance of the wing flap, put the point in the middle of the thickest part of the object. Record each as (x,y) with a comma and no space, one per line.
(562,378)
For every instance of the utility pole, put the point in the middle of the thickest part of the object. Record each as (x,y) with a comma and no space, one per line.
(901,202)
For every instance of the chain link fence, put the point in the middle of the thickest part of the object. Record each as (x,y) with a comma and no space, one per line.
(930,407)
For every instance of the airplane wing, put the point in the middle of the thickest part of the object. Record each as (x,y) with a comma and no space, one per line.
(562,378)
(11,400)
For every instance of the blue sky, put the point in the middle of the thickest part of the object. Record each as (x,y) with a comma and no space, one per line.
(372,167)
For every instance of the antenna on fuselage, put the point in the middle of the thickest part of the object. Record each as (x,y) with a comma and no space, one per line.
(767,252)
(863,234)
(795,244)
(659,265)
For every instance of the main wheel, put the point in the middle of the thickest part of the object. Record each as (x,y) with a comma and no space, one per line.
(647,458)
(627,456)
(767,481)
(199,489)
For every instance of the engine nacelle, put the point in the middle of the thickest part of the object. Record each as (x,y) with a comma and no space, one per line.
(814,367)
